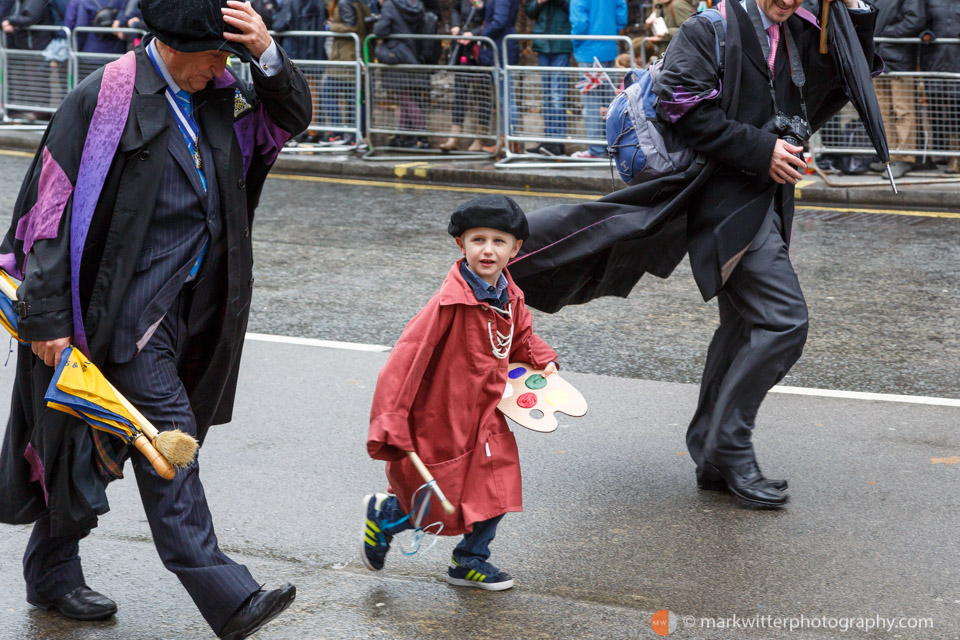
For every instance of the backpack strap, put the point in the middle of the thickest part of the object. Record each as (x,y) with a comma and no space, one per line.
(716,18)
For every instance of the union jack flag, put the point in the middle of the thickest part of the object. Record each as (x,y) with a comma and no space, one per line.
(590,81)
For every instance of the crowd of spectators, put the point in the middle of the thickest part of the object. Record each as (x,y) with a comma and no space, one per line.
(651,23)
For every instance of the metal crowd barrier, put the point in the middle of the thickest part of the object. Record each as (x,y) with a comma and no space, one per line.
(31,84)
(336,87)
(412,103)
(86,63)
(927,120)
(558,105)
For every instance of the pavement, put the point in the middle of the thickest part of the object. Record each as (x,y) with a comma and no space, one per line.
(927,190)
(613,530)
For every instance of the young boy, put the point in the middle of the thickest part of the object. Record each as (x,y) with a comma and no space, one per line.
(438,394)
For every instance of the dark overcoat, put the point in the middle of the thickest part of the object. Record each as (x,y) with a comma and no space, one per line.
(713,209)
(725,215)
(245,126)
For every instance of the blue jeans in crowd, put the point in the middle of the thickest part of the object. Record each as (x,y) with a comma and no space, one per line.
(595,103)
(554,94)
(475,546)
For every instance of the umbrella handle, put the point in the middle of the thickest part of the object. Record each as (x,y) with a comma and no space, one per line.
(428,478)
(160,464)
(824,19)
(145,425)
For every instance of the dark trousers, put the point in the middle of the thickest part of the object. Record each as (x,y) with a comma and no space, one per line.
(473,548)
(176,509)
(763,327)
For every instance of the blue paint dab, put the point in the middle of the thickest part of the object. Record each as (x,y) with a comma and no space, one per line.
(516,373)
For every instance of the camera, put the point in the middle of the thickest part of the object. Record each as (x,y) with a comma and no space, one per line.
(792,129)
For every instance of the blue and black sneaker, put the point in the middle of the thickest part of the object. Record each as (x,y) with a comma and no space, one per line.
(483,576)
(375,545)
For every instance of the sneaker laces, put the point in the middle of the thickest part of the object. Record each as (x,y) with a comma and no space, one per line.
(481,566)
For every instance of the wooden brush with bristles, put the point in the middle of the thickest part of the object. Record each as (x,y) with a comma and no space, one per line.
(177,447)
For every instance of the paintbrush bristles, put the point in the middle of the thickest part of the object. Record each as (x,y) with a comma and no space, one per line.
(177,447)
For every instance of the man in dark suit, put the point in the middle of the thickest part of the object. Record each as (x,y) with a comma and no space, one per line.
(738,225)
(132,238)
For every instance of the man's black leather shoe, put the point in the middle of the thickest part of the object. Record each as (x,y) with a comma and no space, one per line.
(259,609)
(709,481)
(747,483)
(83,603)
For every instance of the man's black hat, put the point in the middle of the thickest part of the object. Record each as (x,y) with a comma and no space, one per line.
(496,212)
(191,25)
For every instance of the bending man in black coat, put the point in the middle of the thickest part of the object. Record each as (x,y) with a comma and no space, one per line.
(132,237)
(738,224)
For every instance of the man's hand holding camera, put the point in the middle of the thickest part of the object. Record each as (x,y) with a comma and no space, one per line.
(785,165)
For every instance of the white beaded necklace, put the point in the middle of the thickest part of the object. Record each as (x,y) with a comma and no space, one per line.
(501,344)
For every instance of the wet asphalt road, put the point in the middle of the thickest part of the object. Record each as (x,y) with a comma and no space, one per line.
(351,263)
(340,262)
(613,528)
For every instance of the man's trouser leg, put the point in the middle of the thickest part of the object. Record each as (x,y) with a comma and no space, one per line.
(177,509)
(51,565)
(761,335)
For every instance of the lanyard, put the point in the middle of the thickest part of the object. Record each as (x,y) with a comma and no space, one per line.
(188,126)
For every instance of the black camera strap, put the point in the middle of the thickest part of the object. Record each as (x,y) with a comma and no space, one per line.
(796,69)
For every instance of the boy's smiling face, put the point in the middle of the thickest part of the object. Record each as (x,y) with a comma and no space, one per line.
(488,251)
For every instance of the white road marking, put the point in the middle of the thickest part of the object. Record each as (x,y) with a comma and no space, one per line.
(311,342)
(798,391)
(861,395)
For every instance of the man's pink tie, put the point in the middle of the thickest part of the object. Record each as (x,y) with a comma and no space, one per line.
(774,32)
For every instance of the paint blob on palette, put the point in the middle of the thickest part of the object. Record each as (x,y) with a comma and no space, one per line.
(530,399)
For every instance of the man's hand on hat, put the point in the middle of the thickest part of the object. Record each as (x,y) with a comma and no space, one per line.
(253,32)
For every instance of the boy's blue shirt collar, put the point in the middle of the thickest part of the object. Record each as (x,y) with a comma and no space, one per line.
(483,290)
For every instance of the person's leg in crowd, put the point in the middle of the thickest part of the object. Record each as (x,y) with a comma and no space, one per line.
(330,100)
(595,104)
(461,88)
(904,98)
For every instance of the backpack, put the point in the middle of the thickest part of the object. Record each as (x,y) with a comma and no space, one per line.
(428,51)
(635,138)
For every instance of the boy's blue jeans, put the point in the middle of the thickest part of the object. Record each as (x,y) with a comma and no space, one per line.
(474,548)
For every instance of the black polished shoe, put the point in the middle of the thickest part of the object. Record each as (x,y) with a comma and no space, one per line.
(83,603)
(259,609)
(747,483)
(710,481)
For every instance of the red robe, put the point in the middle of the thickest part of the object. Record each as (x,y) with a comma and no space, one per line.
(438,394)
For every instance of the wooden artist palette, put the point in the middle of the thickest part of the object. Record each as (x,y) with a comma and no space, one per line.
(530,399)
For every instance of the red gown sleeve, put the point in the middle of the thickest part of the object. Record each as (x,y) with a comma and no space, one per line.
(390,437)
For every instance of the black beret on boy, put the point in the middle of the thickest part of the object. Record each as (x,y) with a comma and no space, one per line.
(191,25)
(495,212)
